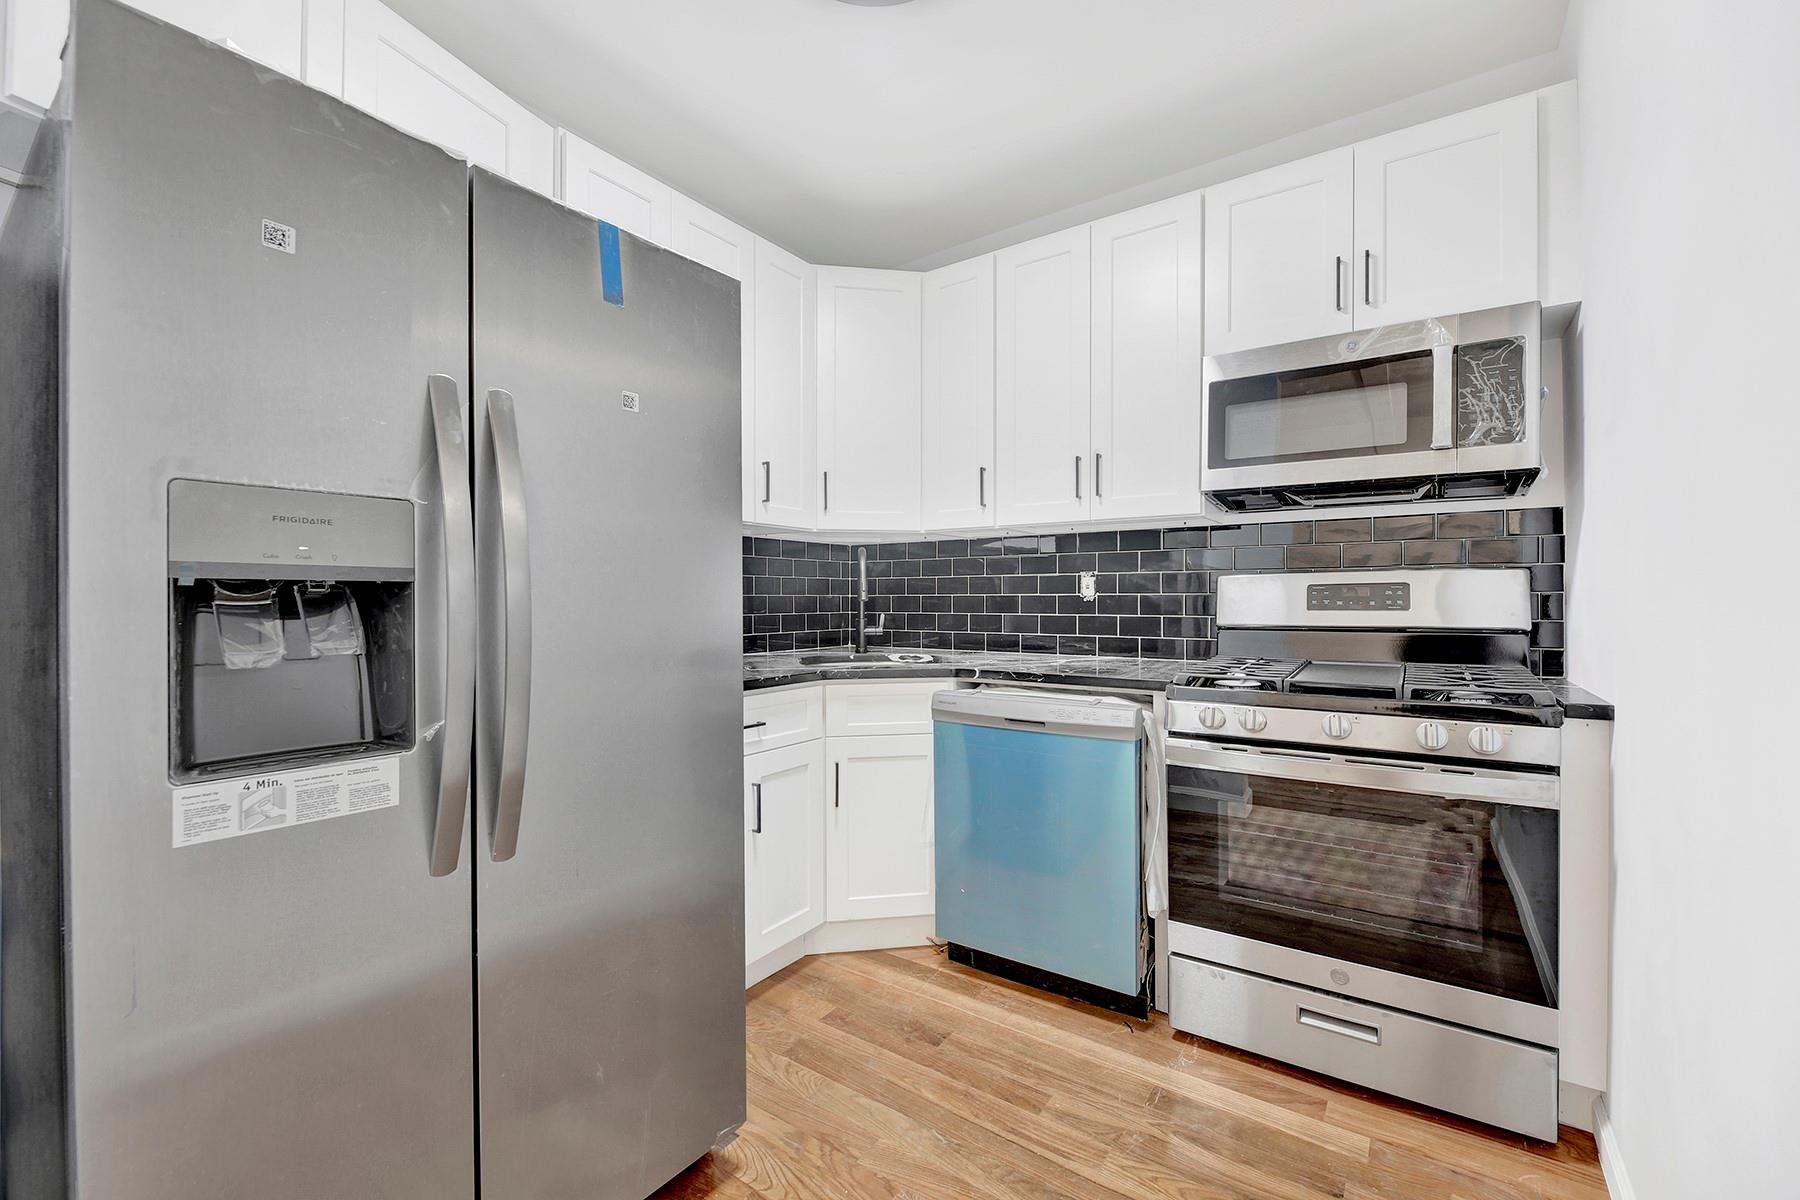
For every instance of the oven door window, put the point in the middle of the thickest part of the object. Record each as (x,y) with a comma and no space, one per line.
(1381,406)
(1460,892)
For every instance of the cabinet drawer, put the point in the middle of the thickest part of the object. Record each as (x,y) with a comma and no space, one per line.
(1491,1079)
(877,708)
(783,718)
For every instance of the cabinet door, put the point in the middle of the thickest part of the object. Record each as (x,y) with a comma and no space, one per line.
(1147,362)
(1041,379)
(1278,250)
(957,413)
(784,846)
(879,839)
(400,75)
(273,32)
(613,190)
(701,234)
(868,399)
(1447,215)
(783,481)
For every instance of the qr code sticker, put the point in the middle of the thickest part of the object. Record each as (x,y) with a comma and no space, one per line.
(629,402)
(276,236)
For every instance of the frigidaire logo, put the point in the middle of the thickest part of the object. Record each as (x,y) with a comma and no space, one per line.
(291,520)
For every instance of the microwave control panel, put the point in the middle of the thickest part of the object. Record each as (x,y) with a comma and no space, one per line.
(1359,597)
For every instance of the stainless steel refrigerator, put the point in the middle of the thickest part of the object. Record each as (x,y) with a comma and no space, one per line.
(369,779)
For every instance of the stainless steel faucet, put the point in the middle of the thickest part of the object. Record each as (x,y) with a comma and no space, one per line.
(863,628)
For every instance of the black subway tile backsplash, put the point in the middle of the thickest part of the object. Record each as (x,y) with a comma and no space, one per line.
(1156,587)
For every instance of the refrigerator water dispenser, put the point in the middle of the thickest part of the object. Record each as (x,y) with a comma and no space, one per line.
(290,627)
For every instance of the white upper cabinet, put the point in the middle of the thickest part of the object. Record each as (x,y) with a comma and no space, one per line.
(783,487)
(868,399)
(273,32)
(1447,215)
(400,75)
(957,415)
(1278,248)
(699,233)
(1041,319)
(613,190)
(1147,361)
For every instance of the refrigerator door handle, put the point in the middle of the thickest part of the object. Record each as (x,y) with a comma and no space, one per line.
(457,518)
(515,569)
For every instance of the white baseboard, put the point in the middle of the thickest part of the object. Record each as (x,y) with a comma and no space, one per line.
(879,933)
(836,937)
(773,961)
(1618,1183)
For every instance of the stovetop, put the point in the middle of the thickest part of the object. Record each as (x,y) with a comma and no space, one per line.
(1497,713)
(1479,685)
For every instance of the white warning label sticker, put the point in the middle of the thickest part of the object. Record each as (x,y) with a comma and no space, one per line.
(228,808)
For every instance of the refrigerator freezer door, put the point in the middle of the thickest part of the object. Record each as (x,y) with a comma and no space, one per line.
(286,1014)
(611,999)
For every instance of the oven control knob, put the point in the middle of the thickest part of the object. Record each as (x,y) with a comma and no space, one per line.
(1212,716)
(1485,739)
(1433,735)
(1335,726)
(1254,720)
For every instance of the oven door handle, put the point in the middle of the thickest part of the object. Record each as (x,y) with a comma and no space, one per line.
(1525,789)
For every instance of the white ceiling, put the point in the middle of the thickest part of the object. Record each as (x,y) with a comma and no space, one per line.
(878,136)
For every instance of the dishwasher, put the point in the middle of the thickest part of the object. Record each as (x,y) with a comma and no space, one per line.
(1039,823)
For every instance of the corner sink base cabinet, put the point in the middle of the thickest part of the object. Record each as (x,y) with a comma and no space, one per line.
(837,820)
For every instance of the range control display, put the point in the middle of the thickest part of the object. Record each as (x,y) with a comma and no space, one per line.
(1359,597)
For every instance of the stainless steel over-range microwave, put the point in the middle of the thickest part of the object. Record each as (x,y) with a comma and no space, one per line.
(1449,408)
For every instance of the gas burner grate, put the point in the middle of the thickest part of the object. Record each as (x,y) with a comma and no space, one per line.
(1475,685)
(1244,674)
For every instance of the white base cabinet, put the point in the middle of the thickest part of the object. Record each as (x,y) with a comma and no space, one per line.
(784,846)
(838,839)
(879,841)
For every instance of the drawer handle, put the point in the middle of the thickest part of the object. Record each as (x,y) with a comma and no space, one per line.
(756,725)
(1330,1024)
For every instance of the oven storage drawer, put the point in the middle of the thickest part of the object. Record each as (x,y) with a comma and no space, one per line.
(1485,1078)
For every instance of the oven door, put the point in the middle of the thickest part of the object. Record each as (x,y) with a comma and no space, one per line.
(1426,887)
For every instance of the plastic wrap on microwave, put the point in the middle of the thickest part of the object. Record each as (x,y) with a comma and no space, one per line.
(250,635)
(1490,393)
(329,614)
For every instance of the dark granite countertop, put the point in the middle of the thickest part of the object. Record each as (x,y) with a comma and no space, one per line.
(1579,704)
(1139,674)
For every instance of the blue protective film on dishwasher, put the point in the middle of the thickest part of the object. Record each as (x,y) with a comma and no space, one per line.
(612,277)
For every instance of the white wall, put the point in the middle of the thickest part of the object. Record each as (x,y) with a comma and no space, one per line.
(6,198)
(1683,577)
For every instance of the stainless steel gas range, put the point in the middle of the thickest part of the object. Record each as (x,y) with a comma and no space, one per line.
(1363,837)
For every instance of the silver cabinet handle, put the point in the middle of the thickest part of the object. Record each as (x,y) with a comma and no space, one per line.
(1078,476)
(515,569)
(1313,1019)
(825,490)
(767,474)
(1369,278)
(756,790)
(837,784)
(1097,461)
(458,522)
(981,486)
(1337,285)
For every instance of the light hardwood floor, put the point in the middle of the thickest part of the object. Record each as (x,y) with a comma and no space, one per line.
(899,1074)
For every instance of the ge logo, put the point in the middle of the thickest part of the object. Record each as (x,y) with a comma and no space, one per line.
(1340,976)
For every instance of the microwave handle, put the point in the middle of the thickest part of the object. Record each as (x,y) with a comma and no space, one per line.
(1443,401)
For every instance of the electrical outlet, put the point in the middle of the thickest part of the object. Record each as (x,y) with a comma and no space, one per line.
(1090,585)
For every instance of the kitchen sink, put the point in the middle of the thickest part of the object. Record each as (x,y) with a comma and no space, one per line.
(844,657)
